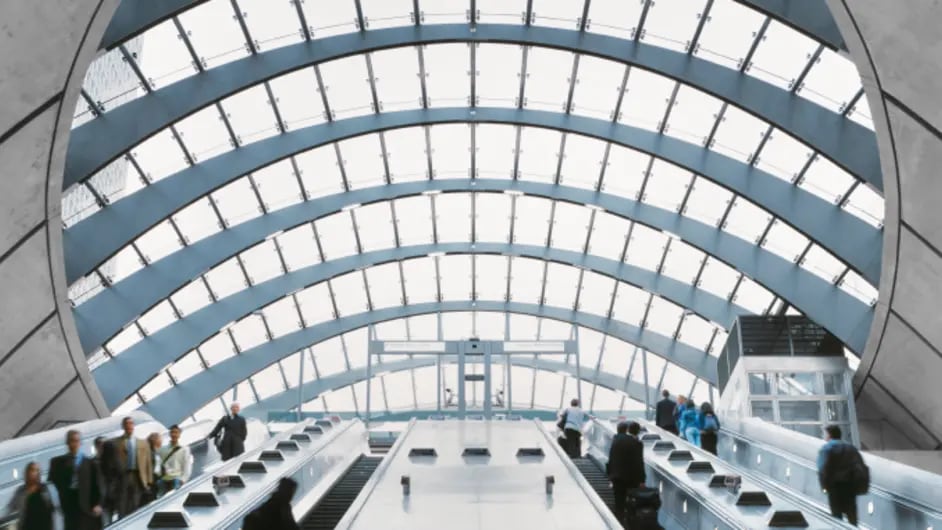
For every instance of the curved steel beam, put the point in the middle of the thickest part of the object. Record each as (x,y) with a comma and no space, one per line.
(96,143)
(92,240)
(820,300)
(213,381)
(288,399)
(126,372)
(134,17)
(811,17)
(109,311)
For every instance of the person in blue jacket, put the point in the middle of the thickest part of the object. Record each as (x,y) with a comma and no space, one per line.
(691,423)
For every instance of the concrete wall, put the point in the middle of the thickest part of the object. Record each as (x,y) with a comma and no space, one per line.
(47,47)
(897,48)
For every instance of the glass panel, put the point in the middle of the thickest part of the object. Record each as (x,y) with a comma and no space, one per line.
(796,384)
(492,217)
(214,32)
(498,80)
(547,84)
(272,24)
(800,410)
(813,429)
(397,78)
(763,410)
(833,384)
(760,384)
(447,67)
(836,411)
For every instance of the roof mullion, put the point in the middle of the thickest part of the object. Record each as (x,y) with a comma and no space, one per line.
(660,380)
(95,107)
(754,158)
(704,17)
(284,378)
(732,294)
(638,33)
(422,76)
(212,295)
(366,289)
(434,219)
(212,203)
(395,223)
(559,158)
(258,194)
(611,302)
(667,249)
(185,37)
(317,243)
(765,232)
(100,199)
(573,79)
(473,102)
(438,279)
(528,16)
(144,178)
(474,151)
(136,68)
(804,253)
(474,216)
(716,331)
(799,81)
(747,60)
(552,221)
(584,19)
(523,78)
(575,303)
(516,170)
(845,198)
(839,279)
(851,105)
(273,101)
(616,113)
(510,261)
(513,218)
(232,339)
(361,20)
(662,125)
(173,306)
(543,283)
(680,324)
(729,208)
(683,203)
(268,334)
(693,387)
(296,170)
(371,77)
(245,272)
(384,153)
(346,359)
(416,13)
(800,176)
(281,255)
(473,14)
(297,307)
(250,43)
(333,299)
(700,269)
(356,230)
(588,234)
(599,184)
(190,159)
(341,166)
(234,139)
(402,284)
(474,278)
(647,311)
(624,249)
(720,116)
(199,355)
(322,90)
(631,366)
(173,223)
(647,176)
(428,152)
(768,310)
(302,18)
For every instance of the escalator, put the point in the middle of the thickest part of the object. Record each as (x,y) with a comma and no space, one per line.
(327,513)
(594,474)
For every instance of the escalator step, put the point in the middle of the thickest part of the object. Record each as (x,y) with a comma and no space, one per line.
(332,507)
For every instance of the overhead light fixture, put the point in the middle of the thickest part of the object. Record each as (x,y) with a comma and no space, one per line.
(431,192)
(594,207)
(670,234)
(515,193)
(435,254)
(350,207)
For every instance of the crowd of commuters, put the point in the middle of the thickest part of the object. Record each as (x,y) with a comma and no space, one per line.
(87,492)
(698,426)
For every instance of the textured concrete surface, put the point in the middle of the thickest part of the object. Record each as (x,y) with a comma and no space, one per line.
(47,46)
(896,47)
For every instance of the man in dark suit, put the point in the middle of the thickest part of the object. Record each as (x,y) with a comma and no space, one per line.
(91,491)
(63,474)
(234,433)
(625,464)
(664,417)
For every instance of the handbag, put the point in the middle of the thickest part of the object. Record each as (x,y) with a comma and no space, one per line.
(561,424)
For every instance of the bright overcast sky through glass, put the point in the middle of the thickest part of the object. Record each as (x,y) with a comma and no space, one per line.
(475,223)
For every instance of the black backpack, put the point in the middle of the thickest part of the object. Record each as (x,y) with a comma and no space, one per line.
(254,520)
(851,469)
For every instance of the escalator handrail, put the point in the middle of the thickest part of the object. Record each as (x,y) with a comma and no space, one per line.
(353,511)
(781,490)
(603,510)
(878,465)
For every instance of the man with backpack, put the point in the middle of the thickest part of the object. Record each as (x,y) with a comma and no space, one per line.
(843,474)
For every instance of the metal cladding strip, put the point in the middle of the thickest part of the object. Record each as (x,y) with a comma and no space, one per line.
(93,240)
(189,395)
(120,377)
(287,399)
(96,143)
(103,315)
(110,310)
(811,18)
(134,17)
